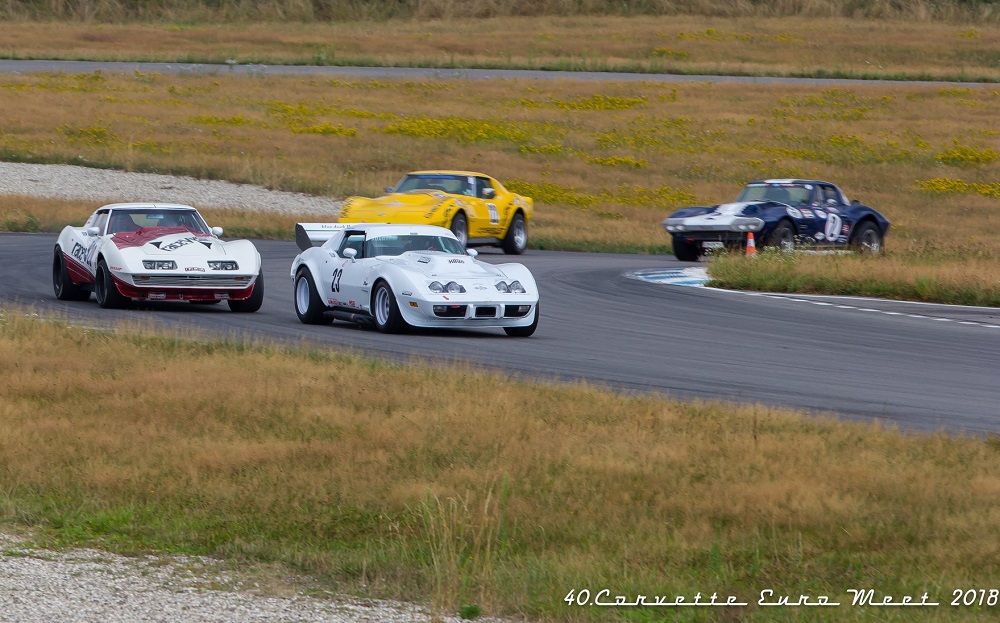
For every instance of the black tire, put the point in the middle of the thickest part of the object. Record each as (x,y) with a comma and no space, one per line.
(62,284)
(686,251)
(385,311)
(524,331)
(251,303)
(515,241)
(867,238)
(460,227)
(105,289)
(782,237)
(309,306)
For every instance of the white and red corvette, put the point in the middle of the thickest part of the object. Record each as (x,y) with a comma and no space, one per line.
(155,252)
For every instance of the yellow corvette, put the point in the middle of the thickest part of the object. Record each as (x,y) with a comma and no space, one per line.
(476,207)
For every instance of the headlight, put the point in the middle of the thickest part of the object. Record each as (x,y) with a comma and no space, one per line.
(514,287)
(673,224)
(743,223)
(223,265)
(451,287)
(159,264)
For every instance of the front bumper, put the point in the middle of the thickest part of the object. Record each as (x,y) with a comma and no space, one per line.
(181,288)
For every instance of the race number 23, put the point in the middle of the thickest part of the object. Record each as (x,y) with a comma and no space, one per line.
(335,284)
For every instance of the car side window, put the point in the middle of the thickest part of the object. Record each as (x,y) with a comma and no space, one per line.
(354,241)
(484,190)
(830,196)
(101,221)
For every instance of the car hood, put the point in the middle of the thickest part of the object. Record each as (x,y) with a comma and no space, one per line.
(421,203)
(445,265)
(168,241)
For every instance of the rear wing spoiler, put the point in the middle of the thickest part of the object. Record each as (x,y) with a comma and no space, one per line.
(309,235)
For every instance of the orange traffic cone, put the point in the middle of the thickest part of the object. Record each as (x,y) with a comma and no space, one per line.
(751,245)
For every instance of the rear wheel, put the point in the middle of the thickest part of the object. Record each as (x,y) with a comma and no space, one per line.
(62,284)
(783,237)
(105,289)
(686,251)
(308,306)
(253,302)
(386,311)
(524,331)
(868,239)
(516,240)
(460,227)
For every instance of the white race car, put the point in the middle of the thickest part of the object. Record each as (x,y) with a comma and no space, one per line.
(155,252)
(396,276)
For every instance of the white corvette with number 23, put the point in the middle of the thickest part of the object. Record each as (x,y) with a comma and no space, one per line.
(398,276)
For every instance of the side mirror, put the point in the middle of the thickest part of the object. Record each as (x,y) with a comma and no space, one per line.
(216,231)
(489,193)
(471,252)
(388,189)
(351,253)
(93,231)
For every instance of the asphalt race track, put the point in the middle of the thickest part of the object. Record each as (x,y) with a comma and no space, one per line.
(920,367)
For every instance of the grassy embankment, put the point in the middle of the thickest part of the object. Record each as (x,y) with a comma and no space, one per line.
(463,488)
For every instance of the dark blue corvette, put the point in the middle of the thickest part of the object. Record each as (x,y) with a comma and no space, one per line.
(782,214)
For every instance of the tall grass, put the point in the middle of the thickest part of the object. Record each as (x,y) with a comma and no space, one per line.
(354,10)
(459,488)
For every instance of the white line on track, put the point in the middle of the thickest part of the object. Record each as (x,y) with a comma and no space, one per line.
(697,276)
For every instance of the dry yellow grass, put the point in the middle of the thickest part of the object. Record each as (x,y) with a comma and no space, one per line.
(467,485)
(795,45)
(604,161)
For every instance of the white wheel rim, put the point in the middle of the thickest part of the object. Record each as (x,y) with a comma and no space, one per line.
(870,241)
(382,306)
(520,234)
(302,296)
(461,230)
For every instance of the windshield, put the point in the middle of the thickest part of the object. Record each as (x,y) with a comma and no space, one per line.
(784,193)
(397,245)
(137,218)
(452,184)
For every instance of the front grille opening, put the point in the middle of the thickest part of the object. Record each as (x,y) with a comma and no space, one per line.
(516,311)
(486,312)
(450,311)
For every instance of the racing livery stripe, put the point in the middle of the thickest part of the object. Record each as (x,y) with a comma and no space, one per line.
(78,273)
(145,235)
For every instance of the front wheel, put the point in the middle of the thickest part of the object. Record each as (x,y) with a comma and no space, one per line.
(686,251)
(253,302)
(308,306)
(386,311)
(62,284)
(460,227)
(783,237)
(105,289)
(516,239)
(524,331)
(868,239)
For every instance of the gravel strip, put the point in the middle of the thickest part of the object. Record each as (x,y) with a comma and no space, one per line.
(84,586)
(103,186)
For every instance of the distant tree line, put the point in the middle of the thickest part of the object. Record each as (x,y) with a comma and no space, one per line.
(360,10)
